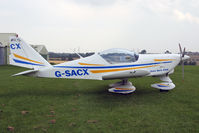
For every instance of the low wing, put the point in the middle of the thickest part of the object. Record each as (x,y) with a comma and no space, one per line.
(126,74)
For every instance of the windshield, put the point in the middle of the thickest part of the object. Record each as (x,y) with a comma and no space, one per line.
(114,56)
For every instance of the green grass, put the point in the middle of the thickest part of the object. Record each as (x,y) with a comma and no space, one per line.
(75,102)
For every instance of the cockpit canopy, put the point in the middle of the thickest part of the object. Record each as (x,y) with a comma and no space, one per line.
(114,56)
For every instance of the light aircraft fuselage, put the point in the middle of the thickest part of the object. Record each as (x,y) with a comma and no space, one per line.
(109,64)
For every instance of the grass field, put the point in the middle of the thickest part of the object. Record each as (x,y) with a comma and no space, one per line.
(85,106)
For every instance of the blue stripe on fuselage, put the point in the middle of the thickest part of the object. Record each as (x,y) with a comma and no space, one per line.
(28,63)
(100,67)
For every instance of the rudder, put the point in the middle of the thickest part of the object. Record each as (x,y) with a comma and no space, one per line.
(22,54)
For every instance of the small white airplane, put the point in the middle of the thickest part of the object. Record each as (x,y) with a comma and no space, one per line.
(107,65)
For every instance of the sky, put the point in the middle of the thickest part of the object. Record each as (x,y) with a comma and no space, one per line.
(96,25)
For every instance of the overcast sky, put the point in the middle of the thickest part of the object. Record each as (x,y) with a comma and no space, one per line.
(95,25)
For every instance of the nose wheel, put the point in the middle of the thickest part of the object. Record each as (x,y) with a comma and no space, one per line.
(164,86)
(122,87)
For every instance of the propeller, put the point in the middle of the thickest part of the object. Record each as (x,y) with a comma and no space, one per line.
(182,54)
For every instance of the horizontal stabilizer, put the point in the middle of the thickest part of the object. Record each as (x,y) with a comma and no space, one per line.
(28,72)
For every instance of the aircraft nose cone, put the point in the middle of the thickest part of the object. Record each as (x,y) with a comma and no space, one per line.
(186,57)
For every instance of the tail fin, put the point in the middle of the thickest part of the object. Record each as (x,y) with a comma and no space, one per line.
(24,55)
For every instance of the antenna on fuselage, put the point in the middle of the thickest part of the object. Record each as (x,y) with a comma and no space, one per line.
(77,53)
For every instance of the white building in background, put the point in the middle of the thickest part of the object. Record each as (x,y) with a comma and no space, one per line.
(41,49)
(5,49)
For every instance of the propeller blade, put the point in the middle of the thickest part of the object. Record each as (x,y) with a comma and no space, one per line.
(183,53)
(180,52)
(180,48)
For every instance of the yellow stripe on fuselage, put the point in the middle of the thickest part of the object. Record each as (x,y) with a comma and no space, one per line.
(121,69)
(163,59)
(24,58)
(86,64)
